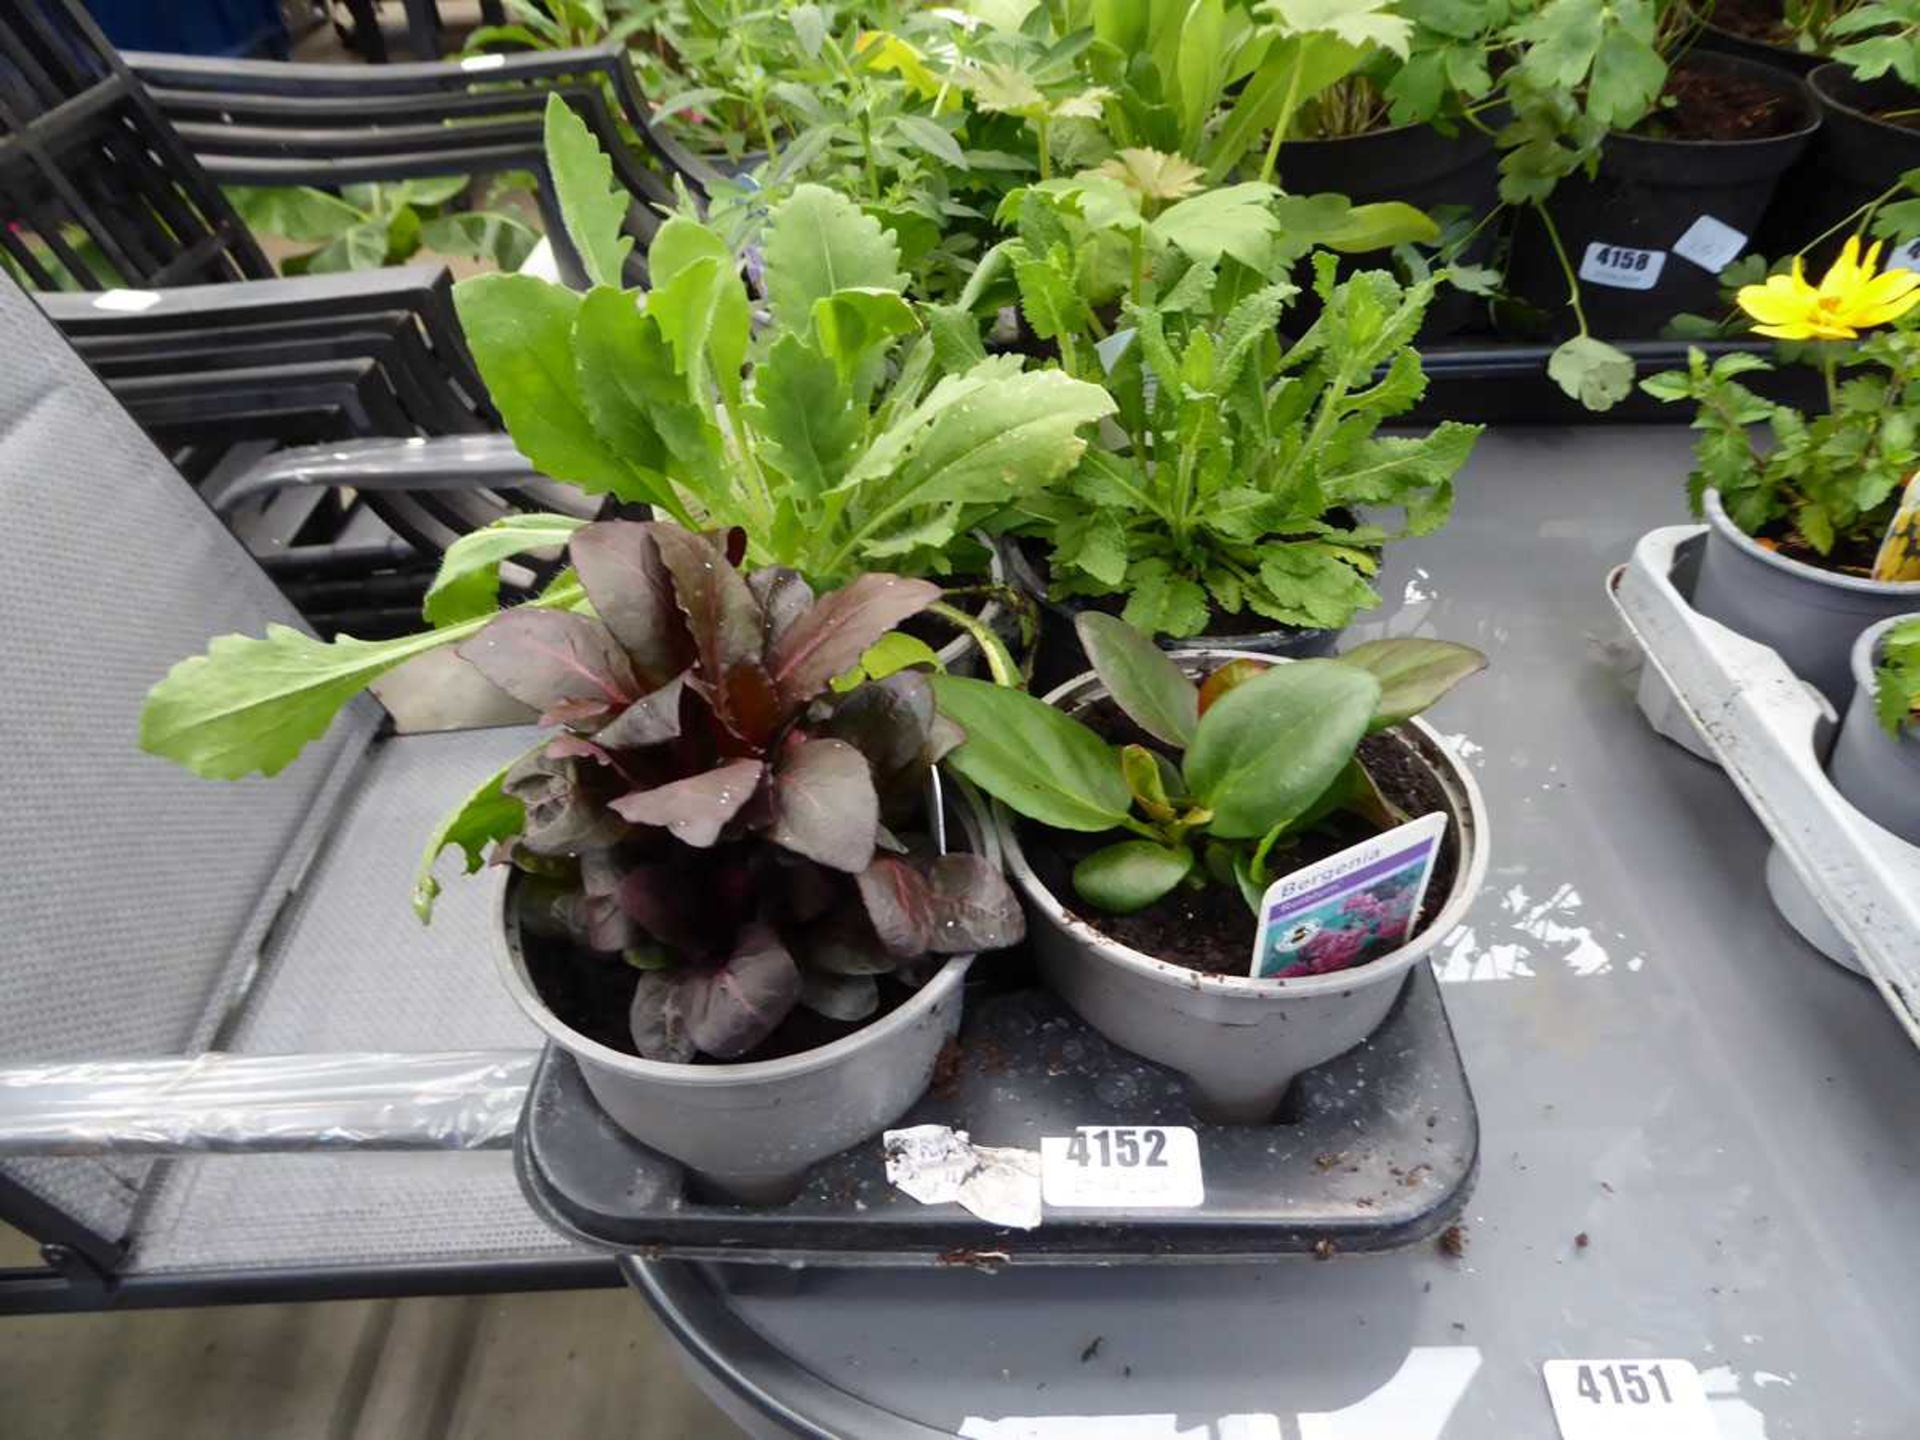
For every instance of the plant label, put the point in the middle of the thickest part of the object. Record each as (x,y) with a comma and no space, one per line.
(1133,1167)
(127,302)
(1906,257)
(482,62)
(1628,1400)
(1711,244)
(1349,908)
(1622,267)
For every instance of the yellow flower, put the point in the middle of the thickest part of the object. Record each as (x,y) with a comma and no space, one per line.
(1850,298)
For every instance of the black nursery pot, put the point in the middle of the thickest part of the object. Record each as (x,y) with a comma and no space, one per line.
(1059,657)
(1719,40)
(1853,159)
(1416,164)
(1630,230)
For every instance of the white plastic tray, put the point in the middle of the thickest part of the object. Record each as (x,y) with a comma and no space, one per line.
(1734,701)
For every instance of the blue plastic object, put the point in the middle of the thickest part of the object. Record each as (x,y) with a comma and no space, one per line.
(194,27)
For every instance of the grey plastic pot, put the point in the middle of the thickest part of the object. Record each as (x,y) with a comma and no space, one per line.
(750,1131)
(1810,616)
(1878,773)
(1239,1041)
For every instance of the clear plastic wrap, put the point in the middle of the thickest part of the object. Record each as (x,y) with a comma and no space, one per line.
(437,1100)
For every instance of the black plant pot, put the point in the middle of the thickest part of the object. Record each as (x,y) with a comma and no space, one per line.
(1621,227)
(1416,164)
(1853,159)
(1059,656)
(1720,41)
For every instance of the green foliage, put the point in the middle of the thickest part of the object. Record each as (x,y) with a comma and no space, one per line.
(1824,482)
(365,227)
(1236,462)
(1591,371)
(592,206)
(1897,679)
(1879,38)
(1262,761)
(487,815)
(831,438)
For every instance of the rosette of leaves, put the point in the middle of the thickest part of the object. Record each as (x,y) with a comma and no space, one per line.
(1232,476)
(1896,691)
(1237,765)
(714,812)
(832,434)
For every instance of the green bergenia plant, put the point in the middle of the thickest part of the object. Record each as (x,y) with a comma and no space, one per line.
(1228,479)
(832,434)
(710,810)
(1896,690)
(1239,766)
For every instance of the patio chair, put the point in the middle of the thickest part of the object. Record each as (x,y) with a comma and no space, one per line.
(152,917)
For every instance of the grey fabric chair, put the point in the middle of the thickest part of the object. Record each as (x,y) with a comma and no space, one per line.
(148,914)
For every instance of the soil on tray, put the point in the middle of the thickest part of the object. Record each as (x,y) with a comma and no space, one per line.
(592,993)
(1761,21)
(1705,104)
(1211,929)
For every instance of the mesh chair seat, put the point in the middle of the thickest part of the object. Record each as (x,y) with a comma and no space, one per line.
(353,971)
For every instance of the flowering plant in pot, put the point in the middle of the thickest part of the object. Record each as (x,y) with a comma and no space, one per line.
(713,842)
(1168,803)
(1797,530)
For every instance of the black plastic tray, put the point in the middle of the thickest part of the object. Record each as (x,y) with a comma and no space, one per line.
(1376,1150)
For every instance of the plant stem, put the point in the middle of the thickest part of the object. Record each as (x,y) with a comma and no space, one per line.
(1044,126)
(1566,267)
(999,660)
(1283,121)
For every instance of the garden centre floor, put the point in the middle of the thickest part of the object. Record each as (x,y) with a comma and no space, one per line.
(577,1365)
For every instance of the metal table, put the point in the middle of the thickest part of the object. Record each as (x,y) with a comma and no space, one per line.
(1662,1067)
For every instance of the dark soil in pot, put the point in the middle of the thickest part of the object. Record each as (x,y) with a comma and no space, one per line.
(1754,30)
(592,993)
(1058,655)
(1858,154)
(1212,930)
(1673,203)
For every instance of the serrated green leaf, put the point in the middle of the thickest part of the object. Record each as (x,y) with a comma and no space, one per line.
(592,207)
(1234,220)
(819,242)
(803,412)
(467,584)
(1592,372)
(487,815)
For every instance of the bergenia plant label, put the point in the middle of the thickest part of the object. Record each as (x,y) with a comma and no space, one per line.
(1628,1400)
(1131,1167)
(1711,244)
(1622,267)
(1906,257)
(1349,908)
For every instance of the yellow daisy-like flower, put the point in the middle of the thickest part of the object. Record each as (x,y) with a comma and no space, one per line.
(1849,298)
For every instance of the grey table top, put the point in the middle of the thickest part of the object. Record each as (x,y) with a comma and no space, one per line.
(1661,1066)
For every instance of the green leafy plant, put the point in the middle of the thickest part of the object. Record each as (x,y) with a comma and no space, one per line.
(832,436)
(1228,477)
(1896,688)
(1881,37)
(1237,768)
(1826,486)
(365,227)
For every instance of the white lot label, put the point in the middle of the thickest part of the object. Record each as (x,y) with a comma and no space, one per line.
(1907,257)
(1710,244)
(1628,1400)
(1111,1166)
(127,302)
(1621,267)
(483,62)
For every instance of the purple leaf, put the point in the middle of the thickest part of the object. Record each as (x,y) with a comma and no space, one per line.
(650,720)
(632,593)
(680,915)
(659,1019)
(784,597)
(564,816)
(721,614)
(606,926)
(899,905)
(889,721)
(824,804)
(695,810)
(733,1007)
(554,659)
(972,906)
(747,705)
(846,945)
(839,997)
(831,637)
